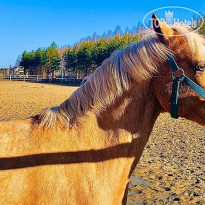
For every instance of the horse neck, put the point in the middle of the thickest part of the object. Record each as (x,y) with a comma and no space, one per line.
(130,118)
(135,111)
(120,131)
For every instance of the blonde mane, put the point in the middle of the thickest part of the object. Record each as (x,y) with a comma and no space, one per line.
(137,61)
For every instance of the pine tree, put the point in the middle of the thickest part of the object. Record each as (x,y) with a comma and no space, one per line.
(100,51)
(53,59)
(70,59)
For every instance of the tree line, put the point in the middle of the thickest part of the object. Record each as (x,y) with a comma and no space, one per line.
(83,57)
(88,55)
(41,61)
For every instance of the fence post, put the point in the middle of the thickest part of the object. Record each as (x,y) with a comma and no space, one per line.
(24,78)
(37,78)
(10,77)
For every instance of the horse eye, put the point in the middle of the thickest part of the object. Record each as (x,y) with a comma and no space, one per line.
(200,67)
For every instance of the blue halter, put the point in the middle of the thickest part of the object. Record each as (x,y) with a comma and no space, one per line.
(176,83)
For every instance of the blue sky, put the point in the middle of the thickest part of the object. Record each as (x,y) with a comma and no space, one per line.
(28,25)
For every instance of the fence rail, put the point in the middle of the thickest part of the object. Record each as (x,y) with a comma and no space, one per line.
(33,78)
(41,78)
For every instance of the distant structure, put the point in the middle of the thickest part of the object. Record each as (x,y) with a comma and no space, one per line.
(4,72)
(16,70)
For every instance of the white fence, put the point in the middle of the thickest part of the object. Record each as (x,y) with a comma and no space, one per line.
(33,78)
(40,78)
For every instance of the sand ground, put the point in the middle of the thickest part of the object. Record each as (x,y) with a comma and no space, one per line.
(172,168)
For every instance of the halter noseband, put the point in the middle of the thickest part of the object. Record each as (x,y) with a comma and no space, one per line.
(176,83)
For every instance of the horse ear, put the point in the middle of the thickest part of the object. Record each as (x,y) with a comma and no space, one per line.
(161,28)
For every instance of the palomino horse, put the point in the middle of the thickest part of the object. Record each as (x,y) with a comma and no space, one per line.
(84,151)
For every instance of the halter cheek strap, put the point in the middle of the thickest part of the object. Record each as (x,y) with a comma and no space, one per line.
(176,84)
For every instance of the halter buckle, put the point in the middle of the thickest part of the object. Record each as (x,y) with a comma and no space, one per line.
(178,74)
